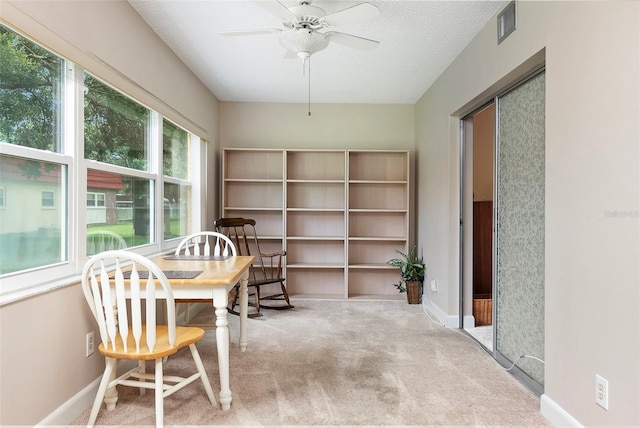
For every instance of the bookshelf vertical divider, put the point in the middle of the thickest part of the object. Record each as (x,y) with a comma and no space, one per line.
(339,214)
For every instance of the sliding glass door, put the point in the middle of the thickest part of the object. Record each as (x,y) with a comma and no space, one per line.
(520,234)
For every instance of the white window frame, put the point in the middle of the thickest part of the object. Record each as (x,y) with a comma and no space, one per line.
(22,284)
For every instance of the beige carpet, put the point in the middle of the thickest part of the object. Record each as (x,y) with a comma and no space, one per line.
(344,363)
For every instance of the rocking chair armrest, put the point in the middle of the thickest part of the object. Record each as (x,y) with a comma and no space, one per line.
(280,253)
(275,262)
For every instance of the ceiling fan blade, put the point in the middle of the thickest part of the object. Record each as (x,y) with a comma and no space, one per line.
(278,9)
(352,41)
(352,14)
(250,32)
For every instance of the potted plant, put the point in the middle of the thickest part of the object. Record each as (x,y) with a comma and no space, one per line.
(412,272)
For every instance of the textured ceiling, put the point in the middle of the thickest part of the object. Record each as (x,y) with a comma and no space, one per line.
(418,40)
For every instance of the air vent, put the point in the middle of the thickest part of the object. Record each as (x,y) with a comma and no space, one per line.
(507,21)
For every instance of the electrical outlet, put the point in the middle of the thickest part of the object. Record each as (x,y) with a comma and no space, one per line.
(602,392)
(434,285)
(90,343)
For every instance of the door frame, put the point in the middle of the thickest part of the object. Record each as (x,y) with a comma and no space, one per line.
(466,245)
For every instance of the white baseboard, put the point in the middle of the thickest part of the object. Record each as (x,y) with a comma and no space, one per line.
(556,414)
(83,400)
(73,408)
(450,321)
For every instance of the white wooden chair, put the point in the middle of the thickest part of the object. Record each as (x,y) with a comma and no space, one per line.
(119,306)
(205,243)
(104,240)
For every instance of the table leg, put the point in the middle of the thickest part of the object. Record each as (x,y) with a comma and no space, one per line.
(244,303)
(222,342)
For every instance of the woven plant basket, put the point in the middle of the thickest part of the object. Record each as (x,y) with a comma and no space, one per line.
(483,309)
(413,292)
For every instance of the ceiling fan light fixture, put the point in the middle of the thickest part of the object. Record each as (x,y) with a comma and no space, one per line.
(304,41)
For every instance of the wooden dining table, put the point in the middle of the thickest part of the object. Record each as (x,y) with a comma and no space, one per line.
(215,279)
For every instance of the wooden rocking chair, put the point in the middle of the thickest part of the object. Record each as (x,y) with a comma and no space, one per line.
(266,270)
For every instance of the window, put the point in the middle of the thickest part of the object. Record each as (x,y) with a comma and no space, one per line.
(176,154)
(127,204)
(33,229)
(30,93)
(117,132)
(134,168)
(115,127)
(48,199)
(95,199)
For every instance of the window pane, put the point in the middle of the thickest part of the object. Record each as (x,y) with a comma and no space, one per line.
(30,93)
(177,210)
(48,199)
(29,235)
(122,209)
(175,151)
(115,127)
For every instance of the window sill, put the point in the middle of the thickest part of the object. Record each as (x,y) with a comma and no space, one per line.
(14,296)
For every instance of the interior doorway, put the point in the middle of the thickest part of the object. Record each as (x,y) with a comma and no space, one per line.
(479,134)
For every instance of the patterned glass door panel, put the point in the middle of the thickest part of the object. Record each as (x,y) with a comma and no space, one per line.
(519,287)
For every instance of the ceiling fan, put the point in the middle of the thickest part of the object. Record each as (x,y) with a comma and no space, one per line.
(302,34)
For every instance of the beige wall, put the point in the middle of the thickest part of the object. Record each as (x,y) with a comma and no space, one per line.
(330,126)
(592,315)
(42,337)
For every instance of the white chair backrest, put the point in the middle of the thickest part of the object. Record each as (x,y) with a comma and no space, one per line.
(103,284)
(206,244)
(104,240)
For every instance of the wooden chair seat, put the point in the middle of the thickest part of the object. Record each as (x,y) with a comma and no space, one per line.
(162,348)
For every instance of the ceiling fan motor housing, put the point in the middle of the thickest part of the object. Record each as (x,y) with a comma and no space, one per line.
(308,16)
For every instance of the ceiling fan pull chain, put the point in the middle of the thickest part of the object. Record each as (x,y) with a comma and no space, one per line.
(309,86)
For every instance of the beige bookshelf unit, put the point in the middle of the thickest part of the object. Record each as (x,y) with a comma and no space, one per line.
(339,214)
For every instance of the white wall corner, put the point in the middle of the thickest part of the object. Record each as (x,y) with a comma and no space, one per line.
(556,414)
(435,312)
